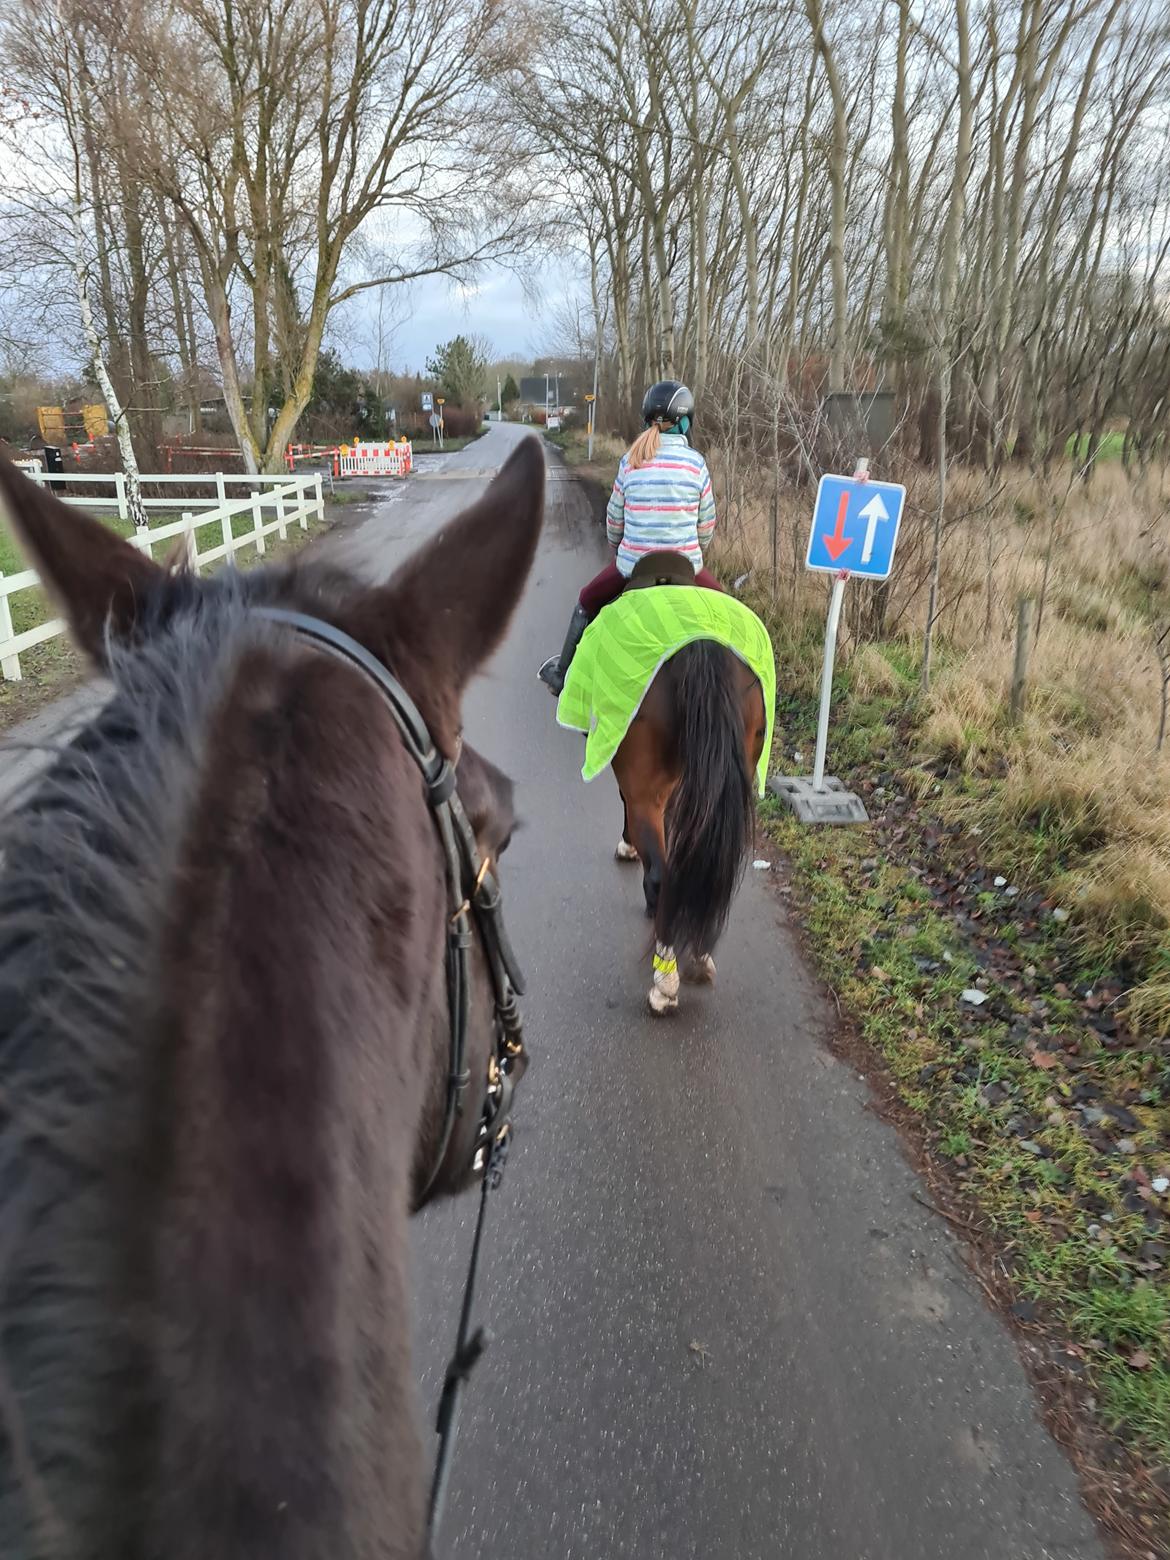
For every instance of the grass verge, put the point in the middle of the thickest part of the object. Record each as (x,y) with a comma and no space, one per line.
(573,444)
(1001,1017)
(450,446)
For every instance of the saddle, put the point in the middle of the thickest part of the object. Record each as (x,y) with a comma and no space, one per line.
(660,568)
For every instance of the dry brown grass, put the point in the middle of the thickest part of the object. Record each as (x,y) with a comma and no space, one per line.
(874,672)
(1074,792)
(1079,793)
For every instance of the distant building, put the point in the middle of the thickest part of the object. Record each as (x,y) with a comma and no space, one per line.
(558,393)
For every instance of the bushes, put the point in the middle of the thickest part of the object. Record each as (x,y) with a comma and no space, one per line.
(458,423)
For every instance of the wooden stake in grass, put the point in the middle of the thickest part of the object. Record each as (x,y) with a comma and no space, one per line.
(1162,651)
(775,538)
(1023,644)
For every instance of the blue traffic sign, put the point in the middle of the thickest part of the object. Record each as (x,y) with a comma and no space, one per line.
(855,526)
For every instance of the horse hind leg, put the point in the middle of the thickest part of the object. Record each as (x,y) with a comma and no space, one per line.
(652,850)
(700,970)
(626,850)
(663,994)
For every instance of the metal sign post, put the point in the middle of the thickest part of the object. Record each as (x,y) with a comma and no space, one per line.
(590,402)
(854,531)
(830,657)
(440,402)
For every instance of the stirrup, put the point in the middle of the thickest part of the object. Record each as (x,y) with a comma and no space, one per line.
(550,675)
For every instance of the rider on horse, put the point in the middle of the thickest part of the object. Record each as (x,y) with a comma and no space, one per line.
(661,502)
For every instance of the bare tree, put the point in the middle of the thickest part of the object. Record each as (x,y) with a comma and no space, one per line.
(64,135)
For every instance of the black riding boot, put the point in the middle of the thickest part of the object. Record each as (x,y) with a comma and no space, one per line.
(556,668)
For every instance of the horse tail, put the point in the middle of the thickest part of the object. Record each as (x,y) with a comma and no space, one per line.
(710,820)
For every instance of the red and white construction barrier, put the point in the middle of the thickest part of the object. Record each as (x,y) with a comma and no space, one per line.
(373,460)
(314,454)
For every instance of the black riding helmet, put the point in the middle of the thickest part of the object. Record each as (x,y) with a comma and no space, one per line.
(669,401)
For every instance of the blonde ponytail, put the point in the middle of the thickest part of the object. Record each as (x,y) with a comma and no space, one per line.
(644,448)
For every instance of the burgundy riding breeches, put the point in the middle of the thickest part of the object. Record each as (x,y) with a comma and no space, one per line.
(609,584)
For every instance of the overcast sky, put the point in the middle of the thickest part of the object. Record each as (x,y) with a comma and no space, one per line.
(516,322)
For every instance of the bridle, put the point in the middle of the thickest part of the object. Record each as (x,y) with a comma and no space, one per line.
(473,896)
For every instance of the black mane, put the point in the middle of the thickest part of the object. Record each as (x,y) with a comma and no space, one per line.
(89,857)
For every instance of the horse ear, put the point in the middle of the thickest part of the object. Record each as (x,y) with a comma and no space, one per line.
(98,580)
(448,608)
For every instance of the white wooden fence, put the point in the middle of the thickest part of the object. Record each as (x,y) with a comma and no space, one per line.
(273,505)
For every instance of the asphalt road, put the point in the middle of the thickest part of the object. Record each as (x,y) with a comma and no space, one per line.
(723,1326)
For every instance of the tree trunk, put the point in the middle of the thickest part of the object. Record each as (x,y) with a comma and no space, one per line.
(699,203)
(134,505)
(221,323)
(145,417)
(838,157)
(944,396)
(948,283)
(181,311)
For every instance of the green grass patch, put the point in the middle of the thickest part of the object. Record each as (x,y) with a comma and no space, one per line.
(450,446)
(342,496)
(1073,1209)
(573,443)
(1110,446)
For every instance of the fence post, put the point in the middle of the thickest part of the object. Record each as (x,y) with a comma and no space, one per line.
(278,500)
(1023,645)
(318,503)
(189,540)
(229,538)
(220,489)
(257,522)
(10,665)
(120,490)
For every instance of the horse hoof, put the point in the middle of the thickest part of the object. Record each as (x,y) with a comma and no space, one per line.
(625,852)
(660,1003)
(701,972)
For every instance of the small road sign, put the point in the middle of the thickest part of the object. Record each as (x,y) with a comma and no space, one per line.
(855,527)
(436,421)
(428,401)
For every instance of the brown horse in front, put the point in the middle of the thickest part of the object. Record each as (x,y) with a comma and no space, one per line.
(224,1049)
(684,770)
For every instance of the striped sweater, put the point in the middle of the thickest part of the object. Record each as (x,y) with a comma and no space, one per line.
(667,506)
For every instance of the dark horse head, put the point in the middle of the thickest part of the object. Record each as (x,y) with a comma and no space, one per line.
(224,1049)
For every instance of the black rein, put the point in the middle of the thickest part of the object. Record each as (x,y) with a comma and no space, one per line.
(473,894)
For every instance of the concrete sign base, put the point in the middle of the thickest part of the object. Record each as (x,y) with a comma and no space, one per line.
(831,804)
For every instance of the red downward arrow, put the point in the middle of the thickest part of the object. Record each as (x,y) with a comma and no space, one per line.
(836,544)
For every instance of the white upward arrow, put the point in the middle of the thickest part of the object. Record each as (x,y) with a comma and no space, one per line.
(874,511)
